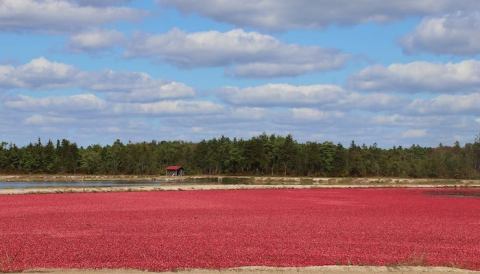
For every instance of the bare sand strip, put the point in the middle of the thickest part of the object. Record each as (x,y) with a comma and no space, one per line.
(272,270)
(221,178)
(179,187)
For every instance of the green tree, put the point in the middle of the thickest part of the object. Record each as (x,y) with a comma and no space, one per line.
(91,159)
(288,153)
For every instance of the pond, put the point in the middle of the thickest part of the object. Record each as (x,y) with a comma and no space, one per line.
(80,184)
(123,183)
(83,184)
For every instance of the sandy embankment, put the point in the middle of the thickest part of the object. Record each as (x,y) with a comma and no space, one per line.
(185,187)
(221,178)
(166,183)
(273,270)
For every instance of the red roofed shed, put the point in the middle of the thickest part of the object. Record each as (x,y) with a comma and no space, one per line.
(175,171)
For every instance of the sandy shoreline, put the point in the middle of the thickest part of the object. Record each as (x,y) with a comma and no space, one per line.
(222,178)
(272,270)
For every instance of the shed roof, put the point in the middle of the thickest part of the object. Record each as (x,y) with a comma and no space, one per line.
(174,168)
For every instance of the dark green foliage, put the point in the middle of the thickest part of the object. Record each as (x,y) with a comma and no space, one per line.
(261,155)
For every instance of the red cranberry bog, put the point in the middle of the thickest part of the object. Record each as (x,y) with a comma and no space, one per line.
(169,230)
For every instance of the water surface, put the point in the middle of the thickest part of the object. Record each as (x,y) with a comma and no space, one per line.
(79,184)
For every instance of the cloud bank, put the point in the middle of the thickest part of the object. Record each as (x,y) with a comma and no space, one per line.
(43,74)
(244,54)
(60,15)
(286,14)
(454,34)
(416,77)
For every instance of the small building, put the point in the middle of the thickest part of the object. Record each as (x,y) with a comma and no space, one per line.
(175,171)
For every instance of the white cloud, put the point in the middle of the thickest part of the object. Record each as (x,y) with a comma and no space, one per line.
(410,119)
(58,15)
(287,14)
(247,113)
(468,104)
(100,3)
(46,120)
(95,40)
(414,133)
(420,77)
(169,108)
(93,106)
(394,119)
(282,95)
(330,96)
(39,73)
(74,103)
(136,87)
(372,102)
(245,54)
(312,115)
(456,34)
(42,74)
(160,92)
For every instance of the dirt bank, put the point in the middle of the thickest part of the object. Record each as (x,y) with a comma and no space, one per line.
(179,187)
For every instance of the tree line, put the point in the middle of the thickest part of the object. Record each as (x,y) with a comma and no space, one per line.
(261,155)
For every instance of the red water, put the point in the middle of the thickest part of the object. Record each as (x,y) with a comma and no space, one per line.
(218,229)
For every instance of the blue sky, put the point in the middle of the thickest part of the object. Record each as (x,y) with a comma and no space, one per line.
(385,72)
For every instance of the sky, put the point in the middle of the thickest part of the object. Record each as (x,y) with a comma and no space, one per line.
(374,71)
